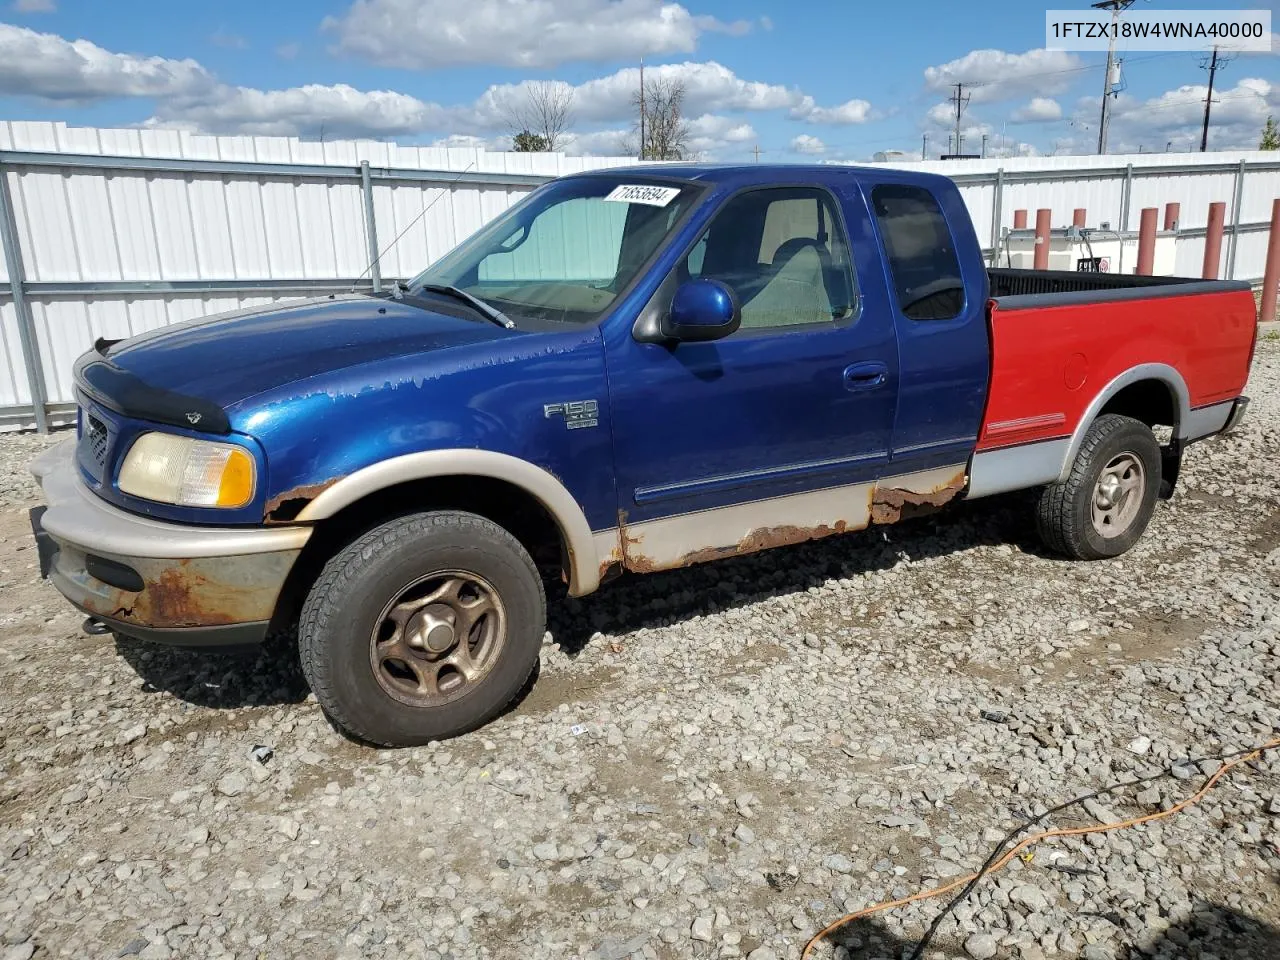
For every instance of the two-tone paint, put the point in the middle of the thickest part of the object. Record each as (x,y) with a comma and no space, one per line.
(653,455)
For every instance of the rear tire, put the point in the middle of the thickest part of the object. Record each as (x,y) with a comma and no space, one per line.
(424,628)
(1107,500)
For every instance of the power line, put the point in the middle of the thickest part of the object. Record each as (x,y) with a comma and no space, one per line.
(961,100)
(1115,6)
(1215,64)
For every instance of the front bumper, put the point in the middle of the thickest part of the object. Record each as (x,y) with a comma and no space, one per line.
(166,582)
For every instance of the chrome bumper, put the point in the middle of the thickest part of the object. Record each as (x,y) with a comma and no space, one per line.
(155,580)
(1237,414)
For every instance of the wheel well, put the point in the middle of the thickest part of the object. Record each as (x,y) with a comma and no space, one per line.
(509,506)
(1150,401)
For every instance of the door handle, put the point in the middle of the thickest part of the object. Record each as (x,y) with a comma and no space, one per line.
(866,376)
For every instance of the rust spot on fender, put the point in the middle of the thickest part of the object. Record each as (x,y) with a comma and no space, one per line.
(891,504)
(286,506)
(624,555)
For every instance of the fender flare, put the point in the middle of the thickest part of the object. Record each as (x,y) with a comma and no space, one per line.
(1162,372)
(543,486)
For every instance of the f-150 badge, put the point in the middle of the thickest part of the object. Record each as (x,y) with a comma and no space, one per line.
(577,413)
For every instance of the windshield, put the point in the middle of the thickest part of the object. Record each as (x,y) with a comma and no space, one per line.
(566,251)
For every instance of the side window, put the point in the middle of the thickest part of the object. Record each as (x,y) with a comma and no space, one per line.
(922,255)
(783,252)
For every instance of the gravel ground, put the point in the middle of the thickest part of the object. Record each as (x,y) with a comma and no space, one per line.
(714,763)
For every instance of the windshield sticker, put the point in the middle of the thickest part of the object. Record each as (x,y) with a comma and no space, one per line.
(641,193)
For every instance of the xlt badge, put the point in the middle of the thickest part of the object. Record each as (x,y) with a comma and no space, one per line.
(577,413)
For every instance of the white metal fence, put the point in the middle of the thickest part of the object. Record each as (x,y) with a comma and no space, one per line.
(1115,189)
(113,232)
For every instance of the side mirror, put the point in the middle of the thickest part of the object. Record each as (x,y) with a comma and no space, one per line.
(702,310)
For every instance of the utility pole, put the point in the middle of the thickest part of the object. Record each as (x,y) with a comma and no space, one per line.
(756,151)
(961,101)
(924,147)
(984,146)
(642,108)
(1115,6)
(1215,64)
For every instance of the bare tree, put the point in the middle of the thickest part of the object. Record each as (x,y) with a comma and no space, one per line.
(542,115)
(664,132)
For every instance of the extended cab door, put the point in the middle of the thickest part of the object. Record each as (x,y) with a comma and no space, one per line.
(775,433)
(937,292)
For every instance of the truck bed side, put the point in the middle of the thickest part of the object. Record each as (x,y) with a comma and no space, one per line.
(1175,352)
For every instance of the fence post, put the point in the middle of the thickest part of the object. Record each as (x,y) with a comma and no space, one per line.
(996,216)
(1147,241)
(1213,240)
(1019,219)
(1043,227)
(1272,277)
(1126,191)
(370,227)
(1235,222)
(1172,211)
(26,324)
(1079,217)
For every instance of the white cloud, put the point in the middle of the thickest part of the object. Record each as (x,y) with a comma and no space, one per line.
(34,6)
(709,88)
(339,110)
(423,34)
(1038,110)
(231,41)
(289,51)
(851,111)
(50,67)
(601,143)
(1176,117)
(991,75)
(807,144)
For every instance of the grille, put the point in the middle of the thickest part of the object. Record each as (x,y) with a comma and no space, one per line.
(94,441)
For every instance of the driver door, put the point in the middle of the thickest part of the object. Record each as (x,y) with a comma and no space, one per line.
(775,431)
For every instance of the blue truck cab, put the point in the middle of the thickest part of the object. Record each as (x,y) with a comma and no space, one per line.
(630,370)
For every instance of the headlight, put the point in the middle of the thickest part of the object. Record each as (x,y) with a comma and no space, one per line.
(191,473)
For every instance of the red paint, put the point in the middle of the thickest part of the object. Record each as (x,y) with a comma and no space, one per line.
(1213,241)
(1019,219)
(1037,353)
(1078,218)
(1271,278)
(1043,219)
(1171,212)
(1147,242)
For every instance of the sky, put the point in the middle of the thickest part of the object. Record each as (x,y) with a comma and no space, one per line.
(804,80)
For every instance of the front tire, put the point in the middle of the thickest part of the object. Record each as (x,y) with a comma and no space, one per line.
(1107,500)
(424,628)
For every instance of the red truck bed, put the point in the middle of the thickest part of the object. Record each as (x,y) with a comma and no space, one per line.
(1067,347)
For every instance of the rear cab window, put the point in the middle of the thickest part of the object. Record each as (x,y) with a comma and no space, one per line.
(921,252)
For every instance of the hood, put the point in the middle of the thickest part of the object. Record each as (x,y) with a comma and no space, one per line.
(230,357)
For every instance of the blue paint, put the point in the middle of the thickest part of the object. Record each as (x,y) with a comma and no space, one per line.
(702,310)
(317,390)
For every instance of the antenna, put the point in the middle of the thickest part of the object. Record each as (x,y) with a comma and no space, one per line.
(422,213)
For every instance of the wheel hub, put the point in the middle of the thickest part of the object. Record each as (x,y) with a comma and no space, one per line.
(437,638)
(1118,495)
(431,629)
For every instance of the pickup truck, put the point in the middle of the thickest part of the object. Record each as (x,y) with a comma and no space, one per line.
(629,370)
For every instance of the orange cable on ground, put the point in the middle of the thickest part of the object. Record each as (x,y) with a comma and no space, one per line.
(1036,838)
